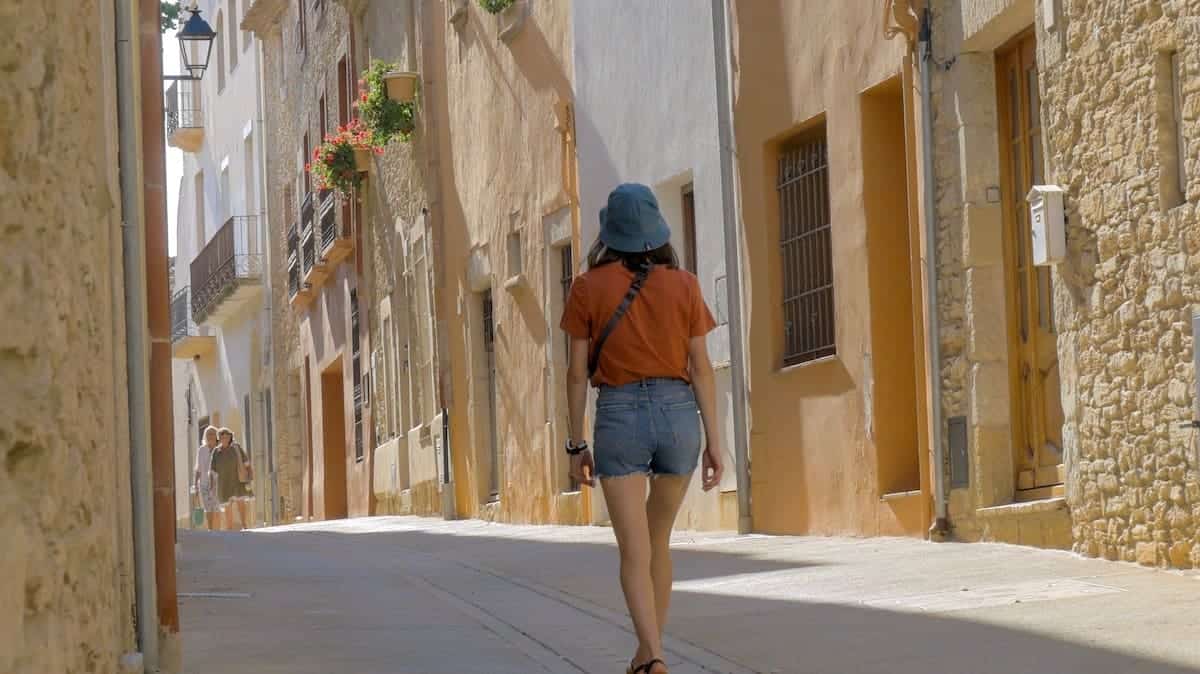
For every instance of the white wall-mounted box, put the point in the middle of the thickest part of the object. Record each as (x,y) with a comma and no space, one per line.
(1048,224)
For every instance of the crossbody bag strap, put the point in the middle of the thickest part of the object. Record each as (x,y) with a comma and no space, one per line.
(634,289)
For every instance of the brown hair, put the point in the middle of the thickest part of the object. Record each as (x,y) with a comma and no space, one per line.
(664,255)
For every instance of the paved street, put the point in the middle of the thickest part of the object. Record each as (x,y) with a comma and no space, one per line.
(388,595)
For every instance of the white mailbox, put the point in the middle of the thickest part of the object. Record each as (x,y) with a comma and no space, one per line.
(1048,224)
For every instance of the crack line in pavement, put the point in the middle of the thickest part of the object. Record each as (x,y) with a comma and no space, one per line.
(541,653)
(700,657)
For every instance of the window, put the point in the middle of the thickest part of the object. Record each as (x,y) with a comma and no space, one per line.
(1171,146)
(806,249)
(201,233)
(268,437)
(324,121)
(301,28)
(566,277)
(515,266)
(343,71)
(233,34)
(357,376)
(220,52)
(250,173)
(689,228)
(226,195)
(306,158)
(489,348)
(248,431)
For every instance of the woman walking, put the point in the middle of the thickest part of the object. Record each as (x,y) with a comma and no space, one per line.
(234,475)
(204,480)
(638,324)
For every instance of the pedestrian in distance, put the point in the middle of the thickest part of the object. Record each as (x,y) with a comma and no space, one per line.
(204,480)
(234,477)
(638,326)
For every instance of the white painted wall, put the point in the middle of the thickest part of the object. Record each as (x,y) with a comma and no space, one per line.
(646,111)
(232,141)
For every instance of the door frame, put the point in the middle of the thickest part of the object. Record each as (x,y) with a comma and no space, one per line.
(1025,408)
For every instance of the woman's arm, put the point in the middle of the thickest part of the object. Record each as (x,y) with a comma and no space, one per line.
(703,383)
(582,468)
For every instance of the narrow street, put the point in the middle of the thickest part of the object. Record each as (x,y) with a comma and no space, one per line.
(391,594)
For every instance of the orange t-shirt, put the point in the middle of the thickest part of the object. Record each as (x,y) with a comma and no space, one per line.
(651,339)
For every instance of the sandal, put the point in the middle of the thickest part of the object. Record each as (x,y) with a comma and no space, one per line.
(645,667)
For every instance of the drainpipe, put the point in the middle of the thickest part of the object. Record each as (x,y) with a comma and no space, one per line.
(732,266)
(137,336)
(933,350)
(264,229)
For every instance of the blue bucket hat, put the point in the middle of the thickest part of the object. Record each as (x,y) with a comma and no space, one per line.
(631,222)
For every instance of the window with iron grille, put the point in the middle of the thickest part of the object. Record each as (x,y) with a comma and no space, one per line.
(806,250)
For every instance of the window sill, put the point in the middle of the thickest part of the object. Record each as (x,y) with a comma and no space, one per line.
(515,283)
(788,369)
(1025,508)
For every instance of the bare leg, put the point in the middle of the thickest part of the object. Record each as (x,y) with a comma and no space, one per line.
(211,520)
(666,495)
(244,511)
(228,524)
(626,499)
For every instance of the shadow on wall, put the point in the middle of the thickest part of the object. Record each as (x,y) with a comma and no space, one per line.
(766,635)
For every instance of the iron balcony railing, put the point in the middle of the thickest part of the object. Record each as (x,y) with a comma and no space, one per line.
(232,257)
(182,100)
(182,324)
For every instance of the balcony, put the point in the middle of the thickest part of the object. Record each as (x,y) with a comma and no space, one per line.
(336,240)
(227,274)
(185,121)
(313,270)
(188,340)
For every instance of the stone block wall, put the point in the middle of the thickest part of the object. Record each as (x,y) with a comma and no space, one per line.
(1132,277)
(65,514)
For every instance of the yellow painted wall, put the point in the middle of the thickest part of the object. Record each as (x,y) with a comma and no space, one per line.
(815,448)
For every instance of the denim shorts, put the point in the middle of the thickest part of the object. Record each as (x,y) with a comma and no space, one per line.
(650,427)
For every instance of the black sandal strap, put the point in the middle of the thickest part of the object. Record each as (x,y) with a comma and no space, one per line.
(647,666)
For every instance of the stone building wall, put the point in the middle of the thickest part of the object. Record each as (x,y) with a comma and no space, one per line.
(395,206)
(1131,280)
(65,515)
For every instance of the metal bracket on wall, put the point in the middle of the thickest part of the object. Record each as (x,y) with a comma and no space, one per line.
(960,473)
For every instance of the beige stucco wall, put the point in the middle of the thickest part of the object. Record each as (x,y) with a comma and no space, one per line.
(827,440)
(1128,287)
(66,566)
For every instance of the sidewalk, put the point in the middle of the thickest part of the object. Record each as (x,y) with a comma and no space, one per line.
(417,595)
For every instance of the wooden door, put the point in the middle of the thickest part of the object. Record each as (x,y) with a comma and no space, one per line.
(1037,415)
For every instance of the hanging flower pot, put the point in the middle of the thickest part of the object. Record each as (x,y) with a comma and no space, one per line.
(339,162)
(401,86)
(386,115)
(362,159)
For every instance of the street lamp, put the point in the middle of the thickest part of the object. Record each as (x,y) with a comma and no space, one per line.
(195,46)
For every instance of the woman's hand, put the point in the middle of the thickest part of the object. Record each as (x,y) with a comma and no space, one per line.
(583,468)
(713,466)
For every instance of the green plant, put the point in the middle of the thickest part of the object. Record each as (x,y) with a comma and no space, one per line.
(169,15)
(386,119)
(495,6)
(333,162)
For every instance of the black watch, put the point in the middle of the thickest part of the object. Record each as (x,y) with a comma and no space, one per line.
(574,449)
